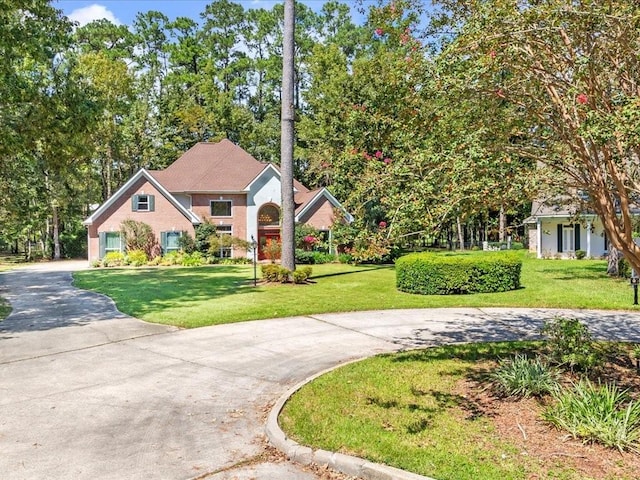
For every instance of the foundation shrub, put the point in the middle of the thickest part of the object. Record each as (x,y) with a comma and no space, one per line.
(436,274)
(137,258)
(113,259)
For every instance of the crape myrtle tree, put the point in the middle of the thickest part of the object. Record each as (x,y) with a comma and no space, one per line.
(396,145)
(570,73)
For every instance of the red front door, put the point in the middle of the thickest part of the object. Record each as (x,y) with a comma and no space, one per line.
(265,236)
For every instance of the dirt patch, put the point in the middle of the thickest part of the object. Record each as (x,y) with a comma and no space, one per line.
(519,422)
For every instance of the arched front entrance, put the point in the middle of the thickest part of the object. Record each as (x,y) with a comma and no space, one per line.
(268,227)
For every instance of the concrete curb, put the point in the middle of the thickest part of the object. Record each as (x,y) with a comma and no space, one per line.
(353,466)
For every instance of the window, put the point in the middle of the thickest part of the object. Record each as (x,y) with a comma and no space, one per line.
(568,238)
(142,203)
(269,215)
(109,242)
(225,232)
(220,208)
(170,241)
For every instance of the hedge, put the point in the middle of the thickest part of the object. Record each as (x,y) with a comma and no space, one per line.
(437,274)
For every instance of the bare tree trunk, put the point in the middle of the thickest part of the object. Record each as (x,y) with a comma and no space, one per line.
(56,234)
(286,142)
(502,227)
(613,261)
(460,233)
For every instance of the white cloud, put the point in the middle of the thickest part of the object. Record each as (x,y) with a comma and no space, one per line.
(93,12)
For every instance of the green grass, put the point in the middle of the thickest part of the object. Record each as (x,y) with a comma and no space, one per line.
(198,296)
(401,410)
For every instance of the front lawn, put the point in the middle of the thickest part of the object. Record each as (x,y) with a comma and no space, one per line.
(199,296)
(434,412)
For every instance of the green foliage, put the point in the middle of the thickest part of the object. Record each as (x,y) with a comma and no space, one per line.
(276,274)
(194,259)
(580,254)
(522,376)
(570,344)
(139,236)
(433,274)
(113,259)
(137,258)
(311,257)
(597,413)
(187,243)
(345,258)
(172,258)
(219,242)
(204,232)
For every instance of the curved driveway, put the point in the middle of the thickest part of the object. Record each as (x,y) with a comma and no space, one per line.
(89,393)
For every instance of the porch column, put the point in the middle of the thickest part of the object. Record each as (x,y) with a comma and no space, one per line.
(539,238)
(588,238)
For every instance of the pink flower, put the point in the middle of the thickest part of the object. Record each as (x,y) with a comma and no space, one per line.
(378,154)
(382,224)
(309,239)
(325,165)
(492,54)
(379,32)
(387,161)
(500,93)
(582,99)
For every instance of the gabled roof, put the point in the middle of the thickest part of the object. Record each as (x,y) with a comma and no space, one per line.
(306,200)
(213,167)
(142,173)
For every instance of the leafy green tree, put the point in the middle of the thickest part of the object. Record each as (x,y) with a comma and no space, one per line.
(569,73)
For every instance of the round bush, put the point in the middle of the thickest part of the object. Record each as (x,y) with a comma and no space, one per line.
(438,274)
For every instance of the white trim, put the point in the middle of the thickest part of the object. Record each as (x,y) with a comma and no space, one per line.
(140,174)
(324,192)
(588,238)
(267,167)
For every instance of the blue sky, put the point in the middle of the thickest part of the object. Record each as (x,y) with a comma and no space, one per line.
(124,11)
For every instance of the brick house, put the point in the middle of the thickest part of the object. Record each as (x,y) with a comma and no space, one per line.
(211,182)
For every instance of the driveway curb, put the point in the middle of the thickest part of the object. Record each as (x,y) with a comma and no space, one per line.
(347,464)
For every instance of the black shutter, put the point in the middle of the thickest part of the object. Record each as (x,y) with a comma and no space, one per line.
(559,238)
(134,203)
(576,231)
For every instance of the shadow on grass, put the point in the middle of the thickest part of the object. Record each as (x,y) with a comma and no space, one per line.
(360,270)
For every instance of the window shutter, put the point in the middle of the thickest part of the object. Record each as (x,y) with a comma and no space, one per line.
(576,230)
(152,202)
(123,247)
(163,241)
(102,241)
(134,203)
(559,238)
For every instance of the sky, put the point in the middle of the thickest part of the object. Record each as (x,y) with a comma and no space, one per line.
(123,12)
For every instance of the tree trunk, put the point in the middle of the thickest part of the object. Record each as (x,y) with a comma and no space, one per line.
(56,234)
(613,262)
(502,226)
(286,142)
(460,233)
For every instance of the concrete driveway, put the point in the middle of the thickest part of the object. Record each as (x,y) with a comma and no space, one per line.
(89,393)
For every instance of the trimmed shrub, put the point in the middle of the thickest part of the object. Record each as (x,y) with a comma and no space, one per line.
(580,254)
(277,274)
(304,257)
(345,258)
(137,258)
(433,274)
